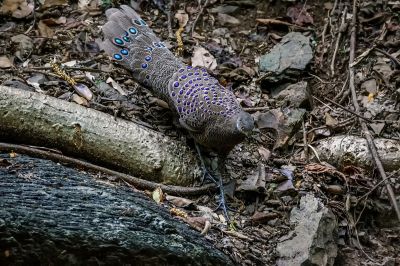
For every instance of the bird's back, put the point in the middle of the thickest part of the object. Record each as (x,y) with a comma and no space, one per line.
(204,107)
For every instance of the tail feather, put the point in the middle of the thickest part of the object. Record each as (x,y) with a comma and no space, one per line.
(130,42)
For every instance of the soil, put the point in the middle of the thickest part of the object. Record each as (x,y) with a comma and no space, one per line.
(368,230)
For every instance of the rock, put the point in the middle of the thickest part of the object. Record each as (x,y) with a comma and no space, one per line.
(313,240)
(225,19)
(288,58)
(294,95)
(285,122)
(224,9)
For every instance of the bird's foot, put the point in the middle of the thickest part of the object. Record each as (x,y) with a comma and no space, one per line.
(222,205)
(206,174)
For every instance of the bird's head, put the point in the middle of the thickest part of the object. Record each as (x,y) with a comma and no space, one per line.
(245,123)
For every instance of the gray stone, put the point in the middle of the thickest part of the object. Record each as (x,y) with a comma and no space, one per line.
(288,58)
(313,241)
(294,95)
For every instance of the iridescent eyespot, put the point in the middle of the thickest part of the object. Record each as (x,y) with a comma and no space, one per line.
(144,65)
(149,49)
(176,84)
(133,31)
(126,38)
(117,56)
(124,51)
(137,22)
(143,22)
(118,41)
(147,58)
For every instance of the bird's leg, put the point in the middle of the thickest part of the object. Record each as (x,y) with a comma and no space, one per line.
(216,179)
(222,202)
(206,173)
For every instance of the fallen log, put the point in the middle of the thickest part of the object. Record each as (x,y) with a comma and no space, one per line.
(37,119)
(55,215)
(338,150)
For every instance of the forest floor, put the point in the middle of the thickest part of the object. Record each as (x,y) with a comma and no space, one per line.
(230,38)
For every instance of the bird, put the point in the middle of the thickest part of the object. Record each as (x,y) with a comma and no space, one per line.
(207,110)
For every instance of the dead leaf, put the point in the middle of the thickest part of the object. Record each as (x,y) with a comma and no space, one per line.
(52,3)
(79,100)
(83,4)
(178,201)
(299,15)
(265,153)
(116,86)
(227,19)
(254,182)
(158,195)
(44,30)
(83,91)
(237,234)
(263,217)
(203,58)
(370,86)
(54,22)
(330,121)
(36,80)
(182,18)
(377,127)
(197,222)
(5,62)
(17,8)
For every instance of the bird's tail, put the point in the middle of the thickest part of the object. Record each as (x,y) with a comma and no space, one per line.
(130,42)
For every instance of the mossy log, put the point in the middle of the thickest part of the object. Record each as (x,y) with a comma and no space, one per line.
(37,119)
(54,215)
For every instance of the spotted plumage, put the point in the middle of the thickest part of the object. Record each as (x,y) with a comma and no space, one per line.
(206,109)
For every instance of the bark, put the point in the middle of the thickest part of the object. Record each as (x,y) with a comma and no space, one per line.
(54,215)
(37,119)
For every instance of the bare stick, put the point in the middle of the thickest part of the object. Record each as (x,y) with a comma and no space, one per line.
(348,110)
(367,134)
(342,29)
(198,16)
(136,182)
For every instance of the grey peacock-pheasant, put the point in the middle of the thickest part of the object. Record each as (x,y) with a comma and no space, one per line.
(206,109)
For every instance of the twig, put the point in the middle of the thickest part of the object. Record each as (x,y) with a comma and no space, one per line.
(136,182)
(169,18)
(255,109)
(348,110)
(34,18)
(198,16)
(362,56)
(328,22)
(367,134)
(341,92)
(342,29)
(270,21)
(89,69)
(394,59)
(305,141)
